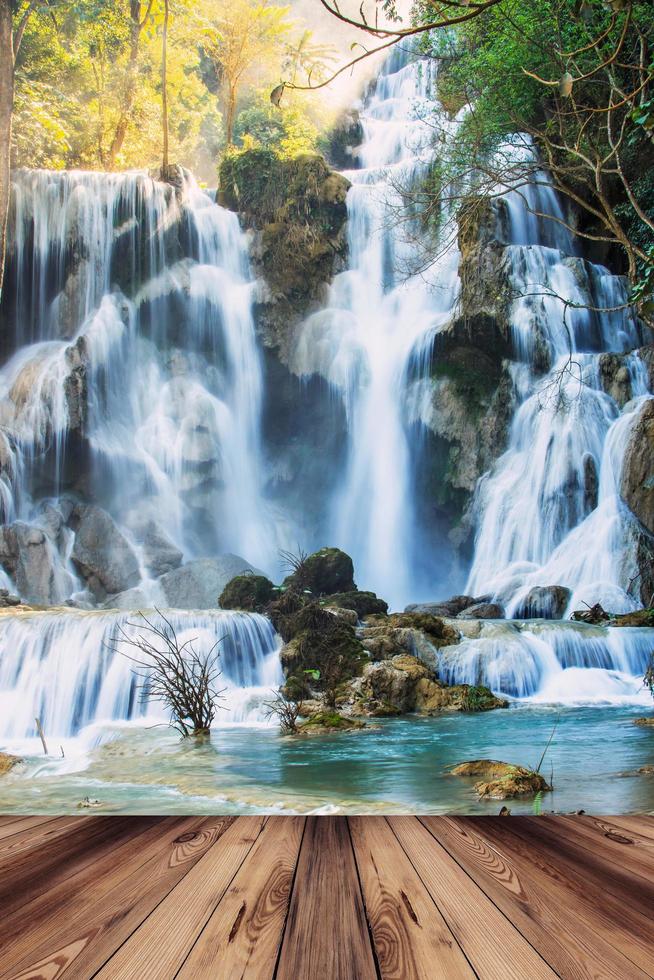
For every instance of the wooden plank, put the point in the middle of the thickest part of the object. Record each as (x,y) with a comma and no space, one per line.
(15,825)
(74,899)
(578,895)
(595,868)
(636,823)
(33,837)
(157,950)
(241,940)
(43,869)
(326,932)
(537,908)
(616,830)
(492,944)
(411,938)
(86,941)
(618,846)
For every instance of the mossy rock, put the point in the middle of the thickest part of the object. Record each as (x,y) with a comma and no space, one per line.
(325,573)
(501,780)
(328,722)
(251,593)
(363,603)
(474,698)
(439,633)
(641,617)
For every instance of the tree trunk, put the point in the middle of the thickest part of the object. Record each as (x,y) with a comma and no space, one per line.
(6,109)
(229,117)
(164,91)
(129,91)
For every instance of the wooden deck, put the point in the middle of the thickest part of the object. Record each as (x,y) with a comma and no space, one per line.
(326,898)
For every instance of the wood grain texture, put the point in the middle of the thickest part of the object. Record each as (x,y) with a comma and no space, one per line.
(158,949)
(241,940)
(325,898)
(326,932)
(568,897)
(411,938)
(472,919)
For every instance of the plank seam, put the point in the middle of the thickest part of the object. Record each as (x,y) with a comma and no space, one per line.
(363,899)
(290,899)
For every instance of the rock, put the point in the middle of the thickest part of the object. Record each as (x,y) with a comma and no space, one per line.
(544,602)
(348,616)
(8,600)
(483,610)
(30,559)
(389,686)
(198,584)
(439,633)
(363,603)
(7,762)
(324,573)
(131,599)
(645,722)
(160,555)
(591,483)
(637,486)
(76,386)
(251,593)
(501,780)
(330,723)
(102,553)
(448,607)
(640,617)
(595,615)
(434,697)
(615,378)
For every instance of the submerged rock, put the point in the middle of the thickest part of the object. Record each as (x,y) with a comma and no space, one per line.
(645,722)
(501,780)
(198,584)
(544,602)
(329,723)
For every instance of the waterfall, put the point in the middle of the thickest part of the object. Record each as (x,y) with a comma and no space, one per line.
(378,323)
(135,379)
(556,663)
(535,524)
(63,668)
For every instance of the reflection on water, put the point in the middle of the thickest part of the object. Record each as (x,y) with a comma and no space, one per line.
(398,767)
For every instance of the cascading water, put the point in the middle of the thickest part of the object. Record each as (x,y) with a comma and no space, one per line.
(136,371)
(381,316)
(536,524)
(66,669)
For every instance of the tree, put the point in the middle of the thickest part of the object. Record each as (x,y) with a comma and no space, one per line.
(164,87)
(242,38)
(139,16)
(6,111)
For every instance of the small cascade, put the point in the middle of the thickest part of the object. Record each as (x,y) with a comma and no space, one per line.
(63,668)
(558,663)
(539,521)
(134,378)
(378,325)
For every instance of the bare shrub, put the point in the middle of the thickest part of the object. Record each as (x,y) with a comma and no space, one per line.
(174,673)
(287,711)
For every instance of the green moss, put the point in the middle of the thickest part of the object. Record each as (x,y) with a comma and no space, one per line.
(330,720)
(363,603)
(479,698)
(251,593)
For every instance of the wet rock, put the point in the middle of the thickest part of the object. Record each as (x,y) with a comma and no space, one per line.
(595,615)
(30,559)
(389,686)
(8,599)
(198,584)
(433,697)
(324,573)
(591,483)
(160,554)
(363,603)
(637,487)
(101,552)
(7,762)
(544,602)
(645,722)
(483,610)
(640,617)
(131,599)
(330,723)
(251,593)
(501,780)
(448,607)
(75,385)
(348,616)
(615,378)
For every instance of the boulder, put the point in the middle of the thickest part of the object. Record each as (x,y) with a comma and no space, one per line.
(160,554)
(637,486)
(30,559)
(325,573)
(501,780)
(8,599)
(615,377)
(448,607)
(101,552)
(389,687)
(329,723)
(483,610)
(7,762)
(198,584)
(251,593)
(363,603)
(544,602)
(131,599)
